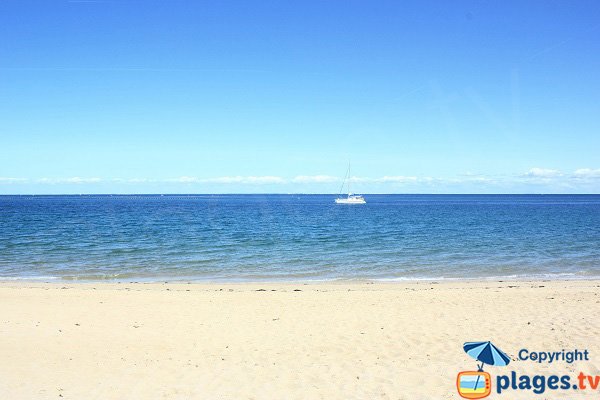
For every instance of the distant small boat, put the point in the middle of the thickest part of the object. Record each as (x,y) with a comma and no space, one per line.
(351,198)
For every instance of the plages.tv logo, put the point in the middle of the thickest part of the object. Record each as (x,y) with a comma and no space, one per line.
(478,384)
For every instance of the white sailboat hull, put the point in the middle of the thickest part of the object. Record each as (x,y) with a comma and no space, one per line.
(351,200)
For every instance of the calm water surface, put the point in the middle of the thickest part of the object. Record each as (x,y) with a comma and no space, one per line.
(298,237)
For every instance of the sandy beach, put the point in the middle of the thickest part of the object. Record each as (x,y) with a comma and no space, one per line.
(283,341)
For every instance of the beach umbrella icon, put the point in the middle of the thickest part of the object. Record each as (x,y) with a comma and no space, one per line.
(486,353)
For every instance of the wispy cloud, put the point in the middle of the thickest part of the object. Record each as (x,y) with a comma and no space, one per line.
(541,178)
(587,173)
(397,179)
(185,179)
(542,173)
(255,180)
(546,176)
(138,180)
(315,179)
(12,180)
(72,180)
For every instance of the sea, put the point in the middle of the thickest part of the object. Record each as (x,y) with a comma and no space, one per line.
(256,238)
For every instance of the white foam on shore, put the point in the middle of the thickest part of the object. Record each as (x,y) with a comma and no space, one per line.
(515,277)
(269,279)
(29,278)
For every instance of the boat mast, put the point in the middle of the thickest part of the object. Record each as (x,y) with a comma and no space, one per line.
(344,183)
(349,179)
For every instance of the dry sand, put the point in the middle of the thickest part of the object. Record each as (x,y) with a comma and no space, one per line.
(283,341)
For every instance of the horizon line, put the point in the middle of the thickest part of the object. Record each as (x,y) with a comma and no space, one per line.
(296,194)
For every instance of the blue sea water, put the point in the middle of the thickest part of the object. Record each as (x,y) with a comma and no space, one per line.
(298,237)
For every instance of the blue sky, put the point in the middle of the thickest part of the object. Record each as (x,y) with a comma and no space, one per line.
(131,96)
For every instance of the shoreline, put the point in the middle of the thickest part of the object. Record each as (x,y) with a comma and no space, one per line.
(226,281)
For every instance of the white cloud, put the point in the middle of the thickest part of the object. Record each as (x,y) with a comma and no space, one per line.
(582,179)
(587,173)
(253,180)
(397,179)
(264,179)
(542,173)
(7,180)
(475,179)
(73,180)
(315,179)
(229,179)
(185,179)
(79,180)
(138,180)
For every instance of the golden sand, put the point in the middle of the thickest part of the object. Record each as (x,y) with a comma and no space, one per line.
(282,341)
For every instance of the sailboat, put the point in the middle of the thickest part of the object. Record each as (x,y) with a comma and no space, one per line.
(351,198)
